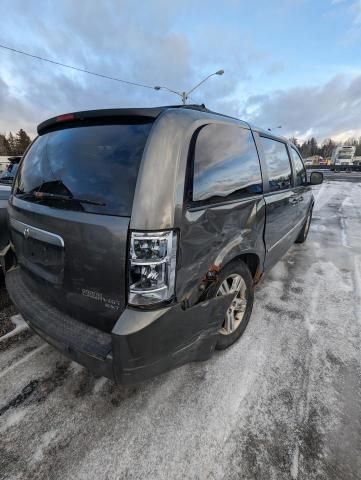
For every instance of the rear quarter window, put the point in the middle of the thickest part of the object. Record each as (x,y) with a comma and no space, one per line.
(98,163)
(225,164)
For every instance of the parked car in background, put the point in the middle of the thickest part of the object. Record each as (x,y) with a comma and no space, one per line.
(8,175)
(139,234)
(4,231)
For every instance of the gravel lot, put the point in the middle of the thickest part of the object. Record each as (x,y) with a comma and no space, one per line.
(283,403)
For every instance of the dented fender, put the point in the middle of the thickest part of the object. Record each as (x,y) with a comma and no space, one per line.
(213,236)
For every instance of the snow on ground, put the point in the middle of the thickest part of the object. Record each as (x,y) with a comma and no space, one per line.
(283,403)
(20,325)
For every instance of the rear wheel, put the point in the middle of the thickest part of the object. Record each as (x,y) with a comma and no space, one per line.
(305,229)
(234,278)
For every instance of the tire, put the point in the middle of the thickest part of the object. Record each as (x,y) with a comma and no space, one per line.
(231,272)
(302,237)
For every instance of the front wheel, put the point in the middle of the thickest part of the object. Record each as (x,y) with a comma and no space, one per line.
(234,278)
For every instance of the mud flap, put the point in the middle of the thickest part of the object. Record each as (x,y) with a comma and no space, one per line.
(147,343)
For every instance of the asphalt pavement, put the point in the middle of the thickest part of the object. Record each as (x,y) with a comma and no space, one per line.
(283,403)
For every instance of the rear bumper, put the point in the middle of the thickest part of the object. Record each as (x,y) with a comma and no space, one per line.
(142,344)
(85,344)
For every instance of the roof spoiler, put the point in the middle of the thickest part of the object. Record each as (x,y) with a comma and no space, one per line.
(107,116)
(91,116)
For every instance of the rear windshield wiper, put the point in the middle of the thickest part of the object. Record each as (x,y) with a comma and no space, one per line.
(65,198)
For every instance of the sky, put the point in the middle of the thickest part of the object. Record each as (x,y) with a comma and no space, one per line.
(289,63)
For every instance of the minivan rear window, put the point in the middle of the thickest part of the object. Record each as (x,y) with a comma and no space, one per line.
(96,163)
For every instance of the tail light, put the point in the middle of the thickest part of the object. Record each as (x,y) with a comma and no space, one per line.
(153,257)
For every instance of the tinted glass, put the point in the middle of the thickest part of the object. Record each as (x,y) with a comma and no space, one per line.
(98,163)
(278,164)
(225,163)
(301,176)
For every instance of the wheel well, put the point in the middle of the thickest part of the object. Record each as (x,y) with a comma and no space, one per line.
(252,261)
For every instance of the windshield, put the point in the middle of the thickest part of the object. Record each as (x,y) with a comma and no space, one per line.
(97,163)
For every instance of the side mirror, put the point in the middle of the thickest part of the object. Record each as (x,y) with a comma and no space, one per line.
(316,178)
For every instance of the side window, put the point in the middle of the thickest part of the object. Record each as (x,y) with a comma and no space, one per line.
(301,176)
(225,163)
(278,164)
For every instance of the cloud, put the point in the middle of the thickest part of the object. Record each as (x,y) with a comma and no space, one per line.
(356,8)
(275,67)
(331,110)
(158,43)
(353,8)
(151,43)
(93,36)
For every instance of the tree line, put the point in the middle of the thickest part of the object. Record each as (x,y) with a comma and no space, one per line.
(14,144)
(311,147)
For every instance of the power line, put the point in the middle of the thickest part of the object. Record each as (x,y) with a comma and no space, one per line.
(75,68)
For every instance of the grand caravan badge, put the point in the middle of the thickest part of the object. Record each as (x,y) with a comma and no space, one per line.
(110,303)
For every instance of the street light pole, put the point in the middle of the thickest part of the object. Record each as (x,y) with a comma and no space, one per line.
(184,95)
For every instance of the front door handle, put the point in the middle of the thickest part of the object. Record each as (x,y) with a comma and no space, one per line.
(294,201)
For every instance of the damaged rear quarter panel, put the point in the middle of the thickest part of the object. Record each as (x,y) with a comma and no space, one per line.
(146,343)
(214,236)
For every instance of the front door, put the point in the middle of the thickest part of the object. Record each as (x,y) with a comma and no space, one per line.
(281,200)
(304,193)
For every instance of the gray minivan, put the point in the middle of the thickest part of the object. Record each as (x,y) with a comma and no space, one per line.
(137,235)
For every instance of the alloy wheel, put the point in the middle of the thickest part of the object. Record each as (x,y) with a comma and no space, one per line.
(233,284)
